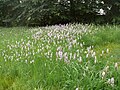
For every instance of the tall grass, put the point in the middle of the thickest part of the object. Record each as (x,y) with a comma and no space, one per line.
(66,57)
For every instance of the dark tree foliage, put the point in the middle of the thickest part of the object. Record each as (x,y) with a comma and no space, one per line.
(48,12)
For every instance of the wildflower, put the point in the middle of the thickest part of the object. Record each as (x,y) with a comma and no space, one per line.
(81,45)
(103,74)
(76,89)
(107,50)
(87,55)
(116,65)
(70,55)
(49,34)
(111,56)
(106,68)
(111,81)
(80,59)
(93,55)
(60,53)
(17,59)
(101,55)
(66,60)
(95,60)
(28,44)
(74,41)
(85,51)
(70,46)
(74,56)
(26,61)
(86,68)
(26,54)
(102,52)
(91,51)
(31,61)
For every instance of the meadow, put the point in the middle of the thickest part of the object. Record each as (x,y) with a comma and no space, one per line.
(60,57)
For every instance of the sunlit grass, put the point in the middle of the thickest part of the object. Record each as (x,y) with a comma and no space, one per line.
(66,57)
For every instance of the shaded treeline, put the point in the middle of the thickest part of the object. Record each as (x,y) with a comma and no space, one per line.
(48,12)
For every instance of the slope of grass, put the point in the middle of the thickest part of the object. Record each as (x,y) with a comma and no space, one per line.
(60,58)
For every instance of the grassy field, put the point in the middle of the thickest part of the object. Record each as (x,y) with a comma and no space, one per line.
(66,57)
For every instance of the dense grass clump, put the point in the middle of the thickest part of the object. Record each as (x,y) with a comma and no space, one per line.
(67,57)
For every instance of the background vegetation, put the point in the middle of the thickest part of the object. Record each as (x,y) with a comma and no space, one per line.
(47,12)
